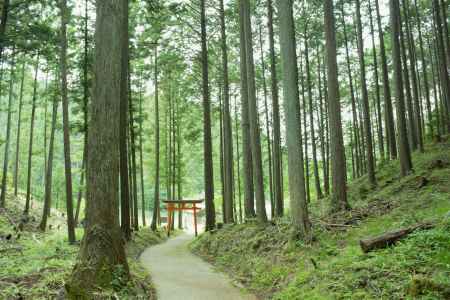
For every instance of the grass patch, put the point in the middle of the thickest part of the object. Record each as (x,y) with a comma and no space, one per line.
(334,267)
(34,265)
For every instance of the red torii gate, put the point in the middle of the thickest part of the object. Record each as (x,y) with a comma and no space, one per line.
(180,205)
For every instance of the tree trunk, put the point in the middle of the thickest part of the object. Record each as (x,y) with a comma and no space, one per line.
(49,171)
(19,124)
(389,114)
(133,154)
(227,134)
(299,209)
(124,179)
(355,121)
(305,134)
(4,20)
(444,76)
(102,254)
(338,162)
(255,139)
(311,118)
(238,158)
(266,113)
(377,88)
(8,130)
(207,142)
(277,182)
(157,150)
(141,164)
(404,151)
(249,204)
(321,125)
(66,129)
(30,146)
(365,99)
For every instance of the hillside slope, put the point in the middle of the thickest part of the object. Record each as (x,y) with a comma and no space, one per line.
(34,265)
(334,267)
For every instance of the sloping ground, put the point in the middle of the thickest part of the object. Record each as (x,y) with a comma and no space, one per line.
(34,265)
(334,267)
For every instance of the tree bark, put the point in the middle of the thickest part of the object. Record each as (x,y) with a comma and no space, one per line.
(249,204)
(404,151)
(19,127)
(30,146)
(8,130)
(311,118)
(66,129)
(365,99)
(338,162)
(157,146)
(277,182)
(299,209)
(255,139)
(124,179)
(227,135)
(207,141)
(49,171)
(102,253)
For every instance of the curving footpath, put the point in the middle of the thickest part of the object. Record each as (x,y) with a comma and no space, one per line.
(179,274)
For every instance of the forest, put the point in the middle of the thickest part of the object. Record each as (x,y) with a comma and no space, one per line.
(225,149)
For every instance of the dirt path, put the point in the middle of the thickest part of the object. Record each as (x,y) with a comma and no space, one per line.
(178,274)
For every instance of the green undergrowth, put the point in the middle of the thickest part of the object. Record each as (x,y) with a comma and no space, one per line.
(333,267)
(34,265)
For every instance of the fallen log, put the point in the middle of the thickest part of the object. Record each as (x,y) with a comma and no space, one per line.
(390,238)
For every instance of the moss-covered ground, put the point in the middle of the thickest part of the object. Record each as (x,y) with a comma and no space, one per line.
(35,265)
(266,262)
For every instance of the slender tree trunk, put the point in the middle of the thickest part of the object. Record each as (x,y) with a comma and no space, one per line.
(249,204)
(227,134)
(365,99)
(338,167)
(8,129)
(404,151)
(377,88)
(141,164)
(443,63)
(207,142)
(277,182)
(388,109)
(19,125)
(255,139)
(311,118)
(102,252)
(238,158)
(266,112)
(30,146)
(157,150)
(133,154)
(305,134)
(424,71)
(49,171)
(124,179)
(299,206)
(321,126)
(355,122)
(4,20)
(66,128)
(412,60)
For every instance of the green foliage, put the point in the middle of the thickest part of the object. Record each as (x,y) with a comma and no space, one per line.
(35,264)
(334,267)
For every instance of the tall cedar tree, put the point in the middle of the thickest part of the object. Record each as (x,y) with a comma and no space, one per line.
(299,209)
(207,140)
(404,151)
(102,252)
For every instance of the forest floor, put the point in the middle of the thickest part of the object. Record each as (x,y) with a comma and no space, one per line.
(268,264)
(35,265)
(178,274)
